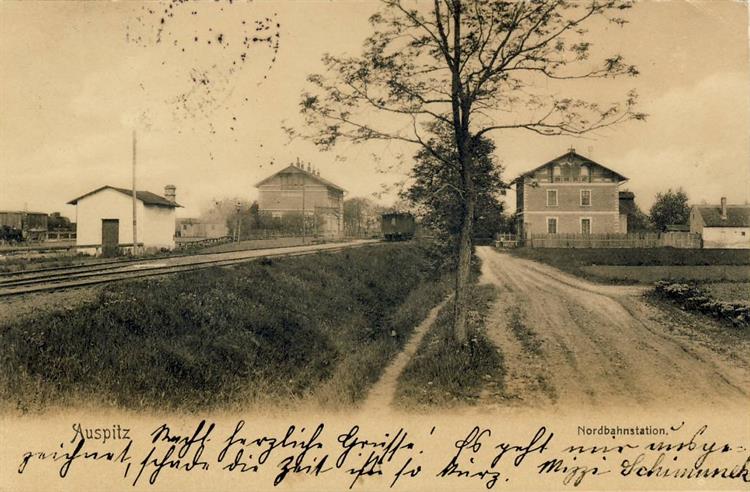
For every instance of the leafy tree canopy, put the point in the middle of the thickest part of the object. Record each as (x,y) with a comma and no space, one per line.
(476,67)
(670,207)
(436,188)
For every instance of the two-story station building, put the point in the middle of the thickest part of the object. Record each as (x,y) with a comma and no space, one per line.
(570,194)
(296,190)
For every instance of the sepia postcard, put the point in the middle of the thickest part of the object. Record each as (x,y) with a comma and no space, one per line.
(307,245)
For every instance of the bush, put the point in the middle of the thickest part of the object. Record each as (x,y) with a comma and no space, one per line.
(692,298)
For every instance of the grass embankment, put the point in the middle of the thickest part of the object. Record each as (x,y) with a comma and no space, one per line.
(272,332)
(647,265)
(444,374)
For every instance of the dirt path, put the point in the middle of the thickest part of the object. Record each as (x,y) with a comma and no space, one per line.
(381,394)
(566,342)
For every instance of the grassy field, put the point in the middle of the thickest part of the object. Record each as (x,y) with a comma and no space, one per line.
(631,266)
(444,375)
(651,274)
(315,328)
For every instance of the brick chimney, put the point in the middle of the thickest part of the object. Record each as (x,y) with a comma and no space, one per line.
(723,208)
(170,193)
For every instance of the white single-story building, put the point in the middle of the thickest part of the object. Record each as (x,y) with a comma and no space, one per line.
(105,220)
(722,226)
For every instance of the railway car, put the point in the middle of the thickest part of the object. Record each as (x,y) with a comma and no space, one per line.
(32,225)
(397,226)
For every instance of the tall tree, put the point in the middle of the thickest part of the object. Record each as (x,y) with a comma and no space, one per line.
(436,188)
(475,66)
(670,207)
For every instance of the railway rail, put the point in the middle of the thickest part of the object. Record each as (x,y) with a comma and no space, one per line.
(60,278)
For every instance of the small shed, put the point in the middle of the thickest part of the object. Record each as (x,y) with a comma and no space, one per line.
(722,226)
(104,219)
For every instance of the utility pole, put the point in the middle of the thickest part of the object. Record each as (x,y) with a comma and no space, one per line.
(304,225)
(239,206)
(135,208)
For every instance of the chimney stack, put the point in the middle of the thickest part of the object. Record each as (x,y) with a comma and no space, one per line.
(723,208)
(170,193)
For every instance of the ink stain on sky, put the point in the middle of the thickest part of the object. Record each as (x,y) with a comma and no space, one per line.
(210,56)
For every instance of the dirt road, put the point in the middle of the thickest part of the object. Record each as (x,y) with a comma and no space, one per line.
(569,342)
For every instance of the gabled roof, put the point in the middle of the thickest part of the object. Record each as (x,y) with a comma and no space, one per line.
(737,215)
(146,197)
(292,167)
(573,153)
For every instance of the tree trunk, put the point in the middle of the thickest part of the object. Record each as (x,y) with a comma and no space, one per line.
(463,274)
(465,240)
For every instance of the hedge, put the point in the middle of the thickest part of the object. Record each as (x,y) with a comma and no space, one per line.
(690,297)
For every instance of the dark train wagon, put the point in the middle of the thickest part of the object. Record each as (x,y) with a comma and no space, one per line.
(32,225)
(397,226)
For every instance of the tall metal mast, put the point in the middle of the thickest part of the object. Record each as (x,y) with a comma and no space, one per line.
(135,208)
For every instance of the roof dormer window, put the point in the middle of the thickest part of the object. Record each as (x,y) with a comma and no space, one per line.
(585,173)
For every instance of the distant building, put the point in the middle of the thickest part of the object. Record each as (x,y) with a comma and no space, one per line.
(571,194)
(295,189)
(191,228)
(33,225)
(104,219)
(722,226)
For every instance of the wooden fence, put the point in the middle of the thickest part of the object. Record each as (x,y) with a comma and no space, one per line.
(188,243)
(634,240)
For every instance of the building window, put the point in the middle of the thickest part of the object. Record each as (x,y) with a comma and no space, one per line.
(556,173)
(567,172)
(551,225)
(552,198)
(584,174)
(586,226)
(585,198)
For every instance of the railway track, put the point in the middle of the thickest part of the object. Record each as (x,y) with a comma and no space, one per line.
(61,278)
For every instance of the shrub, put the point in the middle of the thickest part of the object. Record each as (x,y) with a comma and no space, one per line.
(692,298)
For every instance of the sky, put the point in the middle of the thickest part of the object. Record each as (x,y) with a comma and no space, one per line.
(79,77)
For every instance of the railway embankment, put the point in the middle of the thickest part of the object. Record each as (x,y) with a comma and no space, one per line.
(315,329)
